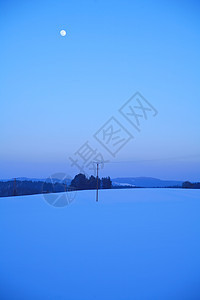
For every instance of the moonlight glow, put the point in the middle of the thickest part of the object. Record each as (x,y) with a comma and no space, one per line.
(63,33)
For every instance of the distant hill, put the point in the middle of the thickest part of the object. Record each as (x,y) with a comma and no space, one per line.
(144,182)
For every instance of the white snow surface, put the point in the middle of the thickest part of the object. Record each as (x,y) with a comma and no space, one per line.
(133,244)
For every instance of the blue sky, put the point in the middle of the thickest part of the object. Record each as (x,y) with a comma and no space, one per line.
(56,91)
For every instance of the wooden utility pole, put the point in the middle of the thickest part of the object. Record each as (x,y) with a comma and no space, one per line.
(97,196)
(65,185)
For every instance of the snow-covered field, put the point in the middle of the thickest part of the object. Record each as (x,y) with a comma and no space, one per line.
(133,244)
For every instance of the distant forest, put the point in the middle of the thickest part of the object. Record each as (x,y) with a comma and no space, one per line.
(79,182)
(26,187)
(189,185)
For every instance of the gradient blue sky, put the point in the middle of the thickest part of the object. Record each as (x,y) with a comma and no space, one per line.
(56,92)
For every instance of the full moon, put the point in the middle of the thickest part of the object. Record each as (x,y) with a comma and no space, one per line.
(63,33)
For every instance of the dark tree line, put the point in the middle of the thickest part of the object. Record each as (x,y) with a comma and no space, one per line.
(18,187)
(28,187)
(81,182)
(189,185)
